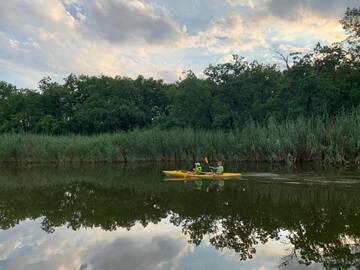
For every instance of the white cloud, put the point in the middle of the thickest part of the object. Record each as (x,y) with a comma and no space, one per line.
(289,8)
(307,24)
(170,75)
(123,21)
(24,17)
(229,35)
(248,3)
(288,48)
(266,26)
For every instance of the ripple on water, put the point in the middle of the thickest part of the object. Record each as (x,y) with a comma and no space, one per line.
(261,175)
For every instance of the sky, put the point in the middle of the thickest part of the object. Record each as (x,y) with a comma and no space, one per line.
(155,38)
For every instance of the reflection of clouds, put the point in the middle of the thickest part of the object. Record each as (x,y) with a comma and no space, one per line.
(34,249)
(157,246)
(293,265)
(268,256)
(160,252)
(14,240)
(28,247)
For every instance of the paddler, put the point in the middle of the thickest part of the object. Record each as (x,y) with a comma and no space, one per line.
(219,169)
(198,168)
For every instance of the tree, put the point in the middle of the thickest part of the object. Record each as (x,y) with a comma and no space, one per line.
(193,103)
(351,24)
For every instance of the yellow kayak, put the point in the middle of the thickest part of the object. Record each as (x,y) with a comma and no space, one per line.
(207,175)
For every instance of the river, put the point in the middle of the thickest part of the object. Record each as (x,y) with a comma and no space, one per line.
(129,217)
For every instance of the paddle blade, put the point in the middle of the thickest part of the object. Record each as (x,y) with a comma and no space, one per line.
(206,160)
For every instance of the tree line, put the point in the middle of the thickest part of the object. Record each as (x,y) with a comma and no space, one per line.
(325,81)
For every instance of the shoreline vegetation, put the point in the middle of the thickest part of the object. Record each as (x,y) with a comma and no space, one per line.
(323,139)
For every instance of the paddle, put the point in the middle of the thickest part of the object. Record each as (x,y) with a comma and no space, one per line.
(206,160)
(207,163)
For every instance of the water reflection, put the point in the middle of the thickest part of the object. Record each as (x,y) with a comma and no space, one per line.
(201,184)
(313,225)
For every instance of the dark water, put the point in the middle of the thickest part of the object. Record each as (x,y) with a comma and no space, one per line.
(128,217)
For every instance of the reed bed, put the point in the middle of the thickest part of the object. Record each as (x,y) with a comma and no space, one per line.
(327,140)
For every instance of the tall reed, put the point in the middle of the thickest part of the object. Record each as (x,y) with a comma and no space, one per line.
(327,140)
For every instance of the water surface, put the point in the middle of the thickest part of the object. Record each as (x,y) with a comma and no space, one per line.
(128,217)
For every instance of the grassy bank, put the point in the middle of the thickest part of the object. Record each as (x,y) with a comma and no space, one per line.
(325,140)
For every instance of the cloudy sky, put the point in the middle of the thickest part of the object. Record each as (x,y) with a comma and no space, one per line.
(158,38)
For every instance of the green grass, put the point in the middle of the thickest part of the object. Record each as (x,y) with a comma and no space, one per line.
(320,139)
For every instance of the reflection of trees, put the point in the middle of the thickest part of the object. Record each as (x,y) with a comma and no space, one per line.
(78,206)
(323,221)
(318,219)
(330,241)
(239,236)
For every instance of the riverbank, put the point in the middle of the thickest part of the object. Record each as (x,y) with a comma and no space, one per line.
(323,140)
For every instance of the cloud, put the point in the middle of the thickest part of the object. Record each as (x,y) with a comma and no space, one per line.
(307,25)
(326,8)
(230,34)
(24,17)
(289,9)
(273,24)
(247,3)
(288,48)
(170,75)
(123,21)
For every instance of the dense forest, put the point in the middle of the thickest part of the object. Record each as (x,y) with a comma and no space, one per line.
(323,82)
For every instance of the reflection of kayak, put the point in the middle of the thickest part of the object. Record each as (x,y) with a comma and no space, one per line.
(206,175)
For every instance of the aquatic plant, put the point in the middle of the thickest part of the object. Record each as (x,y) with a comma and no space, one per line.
(323,139)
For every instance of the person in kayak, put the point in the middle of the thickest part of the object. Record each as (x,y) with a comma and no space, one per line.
(219,169)
(198,168)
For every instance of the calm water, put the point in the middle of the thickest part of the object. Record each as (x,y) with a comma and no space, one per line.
(128,217)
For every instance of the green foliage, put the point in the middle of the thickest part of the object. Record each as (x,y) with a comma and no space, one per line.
(351,22)
(85,105)
(193,103)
